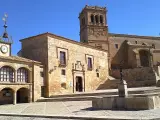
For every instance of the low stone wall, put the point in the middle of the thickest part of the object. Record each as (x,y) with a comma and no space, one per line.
(137,77)
(128,103)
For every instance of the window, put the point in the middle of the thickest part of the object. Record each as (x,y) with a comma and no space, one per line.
(89,63)
(22,75)
(92,18)
(62,58)
(6,74)
(63,72)
(97,74)
(101,19)
(116,46)
(96,18)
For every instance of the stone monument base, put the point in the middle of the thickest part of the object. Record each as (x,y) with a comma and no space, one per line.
(127,103)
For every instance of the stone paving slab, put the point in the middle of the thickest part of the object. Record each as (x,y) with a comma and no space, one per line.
(72,109)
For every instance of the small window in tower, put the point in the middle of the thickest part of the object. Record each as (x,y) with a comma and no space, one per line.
(116,46)
(101,19)
(92,18)
(96,18)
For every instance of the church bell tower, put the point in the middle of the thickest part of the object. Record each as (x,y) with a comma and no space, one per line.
(93,26)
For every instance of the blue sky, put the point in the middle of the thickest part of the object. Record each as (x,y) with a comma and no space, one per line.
(31,17)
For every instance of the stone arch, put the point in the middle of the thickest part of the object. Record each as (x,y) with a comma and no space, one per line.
(144,56)
(6,95)
(96,18)
(92,18)
(22,95)
(101,19)
(11,66)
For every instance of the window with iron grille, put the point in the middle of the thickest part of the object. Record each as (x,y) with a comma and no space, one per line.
(22,75)
(6,74)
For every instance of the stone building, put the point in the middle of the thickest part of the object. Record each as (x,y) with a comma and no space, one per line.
(52,64)
(69,66)
(139,56)
(20,79)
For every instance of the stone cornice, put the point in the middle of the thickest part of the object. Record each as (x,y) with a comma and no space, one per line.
(133,36)
(19,59)
(64,39)
(93,8)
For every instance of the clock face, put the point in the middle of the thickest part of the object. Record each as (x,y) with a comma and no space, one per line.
(4,49)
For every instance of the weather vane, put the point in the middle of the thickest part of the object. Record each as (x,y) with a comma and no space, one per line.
(5,35)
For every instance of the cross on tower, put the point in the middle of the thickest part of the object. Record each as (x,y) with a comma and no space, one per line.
(5,34)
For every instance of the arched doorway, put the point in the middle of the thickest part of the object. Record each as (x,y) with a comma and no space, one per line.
(6,96)
(144,58)
(79,84)
(22,95)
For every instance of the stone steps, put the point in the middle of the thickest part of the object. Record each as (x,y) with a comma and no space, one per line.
(109,93)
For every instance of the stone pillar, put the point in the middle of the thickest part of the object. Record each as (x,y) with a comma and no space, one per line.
(15,76)
(30,94)
(122,89)
(14,98)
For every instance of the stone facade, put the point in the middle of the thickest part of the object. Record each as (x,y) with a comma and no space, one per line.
(129,51)
(57,65)
(126,48)
(12,90)
(76,55)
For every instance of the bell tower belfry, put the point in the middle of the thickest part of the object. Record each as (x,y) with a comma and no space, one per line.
(93,26)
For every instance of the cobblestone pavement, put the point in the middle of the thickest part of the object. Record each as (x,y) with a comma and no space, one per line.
(80,108)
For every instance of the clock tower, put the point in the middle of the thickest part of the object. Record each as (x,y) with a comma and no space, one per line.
(5,40)
(93,26)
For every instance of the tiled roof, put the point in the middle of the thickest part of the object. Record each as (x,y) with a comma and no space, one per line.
(64,39)
(17,58)
(134,36)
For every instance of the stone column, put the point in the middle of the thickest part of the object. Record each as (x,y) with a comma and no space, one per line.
(122,89)
(30,94)
(14,98)
(15,76)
